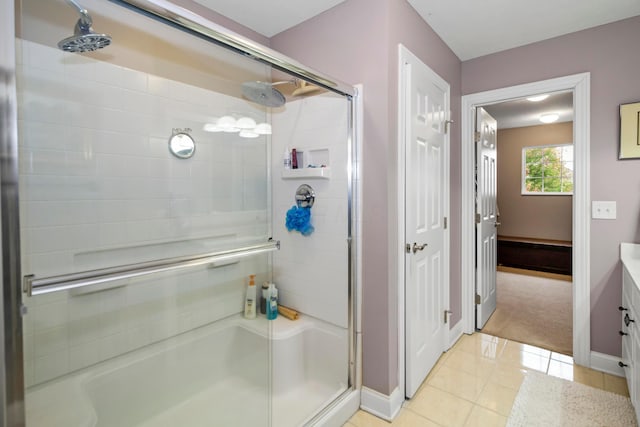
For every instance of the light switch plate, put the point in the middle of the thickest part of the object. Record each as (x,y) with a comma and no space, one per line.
(603,210)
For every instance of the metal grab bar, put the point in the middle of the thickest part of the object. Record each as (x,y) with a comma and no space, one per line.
(33,286)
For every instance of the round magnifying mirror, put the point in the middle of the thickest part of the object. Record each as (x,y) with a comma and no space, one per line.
(182,145)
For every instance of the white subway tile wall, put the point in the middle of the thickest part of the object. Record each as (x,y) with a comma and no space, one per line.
(311,272)
(98,187)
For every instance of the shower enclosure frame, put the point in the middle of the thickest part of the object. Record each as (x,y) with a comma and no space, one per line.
(12,391)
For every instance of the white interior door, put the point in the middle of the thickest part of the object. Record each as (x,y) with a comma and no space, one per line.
(426,107)
(486,216)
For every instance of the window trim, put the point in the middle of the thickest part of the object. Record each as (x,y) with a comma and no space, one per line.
(523,177)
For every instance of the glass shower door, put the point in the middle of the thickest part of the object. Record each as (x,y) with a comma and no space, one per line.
(152,185)
(311,355)
(137,253)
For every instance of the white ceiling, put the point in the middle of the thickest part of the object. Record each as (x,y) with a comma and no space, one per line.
(269,17)
(473,28)
(522,112)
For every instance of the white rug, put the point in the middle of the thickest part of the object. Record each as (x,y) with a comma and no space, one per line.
(549,401)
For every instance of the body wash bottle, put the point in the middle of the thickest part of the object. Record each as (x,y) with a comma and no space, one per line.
(286,159)
(272,302)
(263,300)
(250,300)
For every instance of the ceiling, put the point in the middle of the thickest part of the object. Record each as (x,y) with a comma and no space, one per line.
(471,28)
(269,17)
(522,112)
(494,25)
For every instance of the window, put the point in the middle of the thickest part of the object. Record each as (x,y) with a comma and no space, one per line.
(547,169)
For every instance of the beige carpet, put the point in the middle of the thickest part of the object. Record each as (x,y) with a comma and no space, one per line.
(545,401)
(533,310)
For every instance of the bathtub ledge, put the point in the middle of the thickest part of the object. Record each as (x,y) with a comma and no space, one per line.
(282,328)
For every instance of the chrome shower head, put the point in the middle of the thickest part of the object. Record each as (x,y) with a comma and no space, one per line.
(84,39)
(86,42)
(263,93)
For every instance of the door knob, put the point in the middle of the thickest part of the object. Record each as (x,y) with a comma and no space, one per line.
(417,247)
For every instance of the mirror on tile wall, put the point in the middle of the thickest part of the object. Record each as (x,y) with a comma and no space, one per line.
(182,145)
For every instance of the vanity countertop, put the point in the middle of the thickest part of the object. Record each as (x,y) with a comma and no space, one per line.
(630,256)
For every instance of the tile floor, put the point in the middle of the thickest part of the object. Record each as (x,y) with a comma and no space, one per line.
(476,382)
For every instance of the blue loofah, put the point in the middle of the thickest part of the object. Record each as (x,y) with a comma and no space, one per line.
(299,219)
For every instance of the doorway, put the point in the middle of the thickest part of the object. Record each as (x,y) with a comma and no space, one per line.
(534,228)
(579,85)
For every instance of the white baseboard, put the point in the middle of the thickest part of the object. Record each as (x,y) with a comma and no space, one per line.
(381,405)
(606,363)
(455,333)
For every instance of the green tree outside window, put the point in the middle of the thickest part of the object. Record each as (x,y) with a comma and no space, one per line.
(548,169)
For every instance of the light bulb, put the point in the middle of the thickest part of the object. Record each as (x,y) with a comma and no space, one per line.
(263,129)
(245,123)
(549,118)
(211,127)
(246,133)
(537,98)
(226,122)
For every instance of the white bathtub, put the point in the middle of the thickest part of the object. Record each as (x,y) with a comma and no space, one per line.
(217,375)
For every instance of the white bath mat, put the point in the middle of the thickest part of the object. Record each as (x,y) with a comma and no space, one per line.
(549,401)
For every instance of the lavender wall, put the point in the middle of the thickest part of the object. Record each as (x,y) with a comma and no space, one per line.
(333,43)
(609,53)
(357,42)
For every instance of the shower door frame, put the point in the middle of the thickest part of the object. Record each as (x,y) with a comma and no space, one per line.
(11,352)
(199,26)
(12,393)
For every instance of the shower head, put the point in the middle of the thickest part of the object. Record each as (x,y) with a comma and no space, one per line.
(84,39)
(263,93)
(304,88)
(86,42)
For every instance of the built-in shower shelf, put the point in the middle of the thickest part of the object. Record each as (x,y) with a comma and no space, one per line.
(321,173)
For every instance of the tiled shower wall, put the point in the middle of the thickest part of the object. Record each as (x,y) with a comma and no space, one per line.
(312,271)
(98,187)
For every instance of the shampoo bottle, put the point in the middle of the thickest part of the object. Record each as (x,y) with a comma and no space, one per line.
(250,300)
(286,159)
(263,300)
(272,302)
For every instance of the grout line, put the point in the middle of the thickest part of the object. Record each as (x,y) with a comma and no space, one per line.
(466,419)
(422,416)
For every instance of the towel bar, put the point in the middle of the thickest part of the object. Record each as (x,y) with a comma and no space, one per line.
(45,285)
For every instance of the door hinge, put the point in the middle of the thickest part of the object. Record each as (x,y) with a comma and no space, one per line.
(445,222)
(447,125)
(478,218)
(407,248)
(476,136)
(478,299)
(446,315)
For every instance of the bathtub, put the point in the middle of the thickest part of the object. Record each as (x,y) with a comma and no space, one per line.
(217,375)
